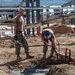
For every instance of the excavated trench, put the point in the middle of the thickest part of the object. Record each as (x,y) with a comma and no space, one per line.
(47,67)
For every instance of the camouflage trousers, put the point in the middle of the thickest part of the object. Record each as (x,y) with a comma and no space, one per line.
(45,48)
(22,40)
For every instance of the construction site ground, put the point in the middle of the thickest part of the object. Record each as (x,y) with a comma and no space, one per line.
(8,56)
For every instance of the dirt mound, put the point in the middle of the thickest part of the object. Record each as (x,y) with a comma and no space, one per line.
(63,69)
(61,29)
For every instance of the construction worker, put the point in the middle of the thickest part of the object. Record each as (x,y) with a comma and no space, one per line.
(18,35)
(48,34)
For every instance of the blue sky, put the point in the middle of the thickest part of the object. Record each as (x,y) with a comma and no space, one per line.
(43,2)
(53,2)
(10,2)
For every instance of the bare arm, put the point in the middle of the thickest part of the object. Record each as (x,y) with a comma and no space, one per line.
(54,43)
(23,28)
(44,41)
(15,26)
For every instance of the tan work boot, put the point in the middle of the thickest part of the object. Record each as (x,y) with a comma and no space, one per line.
(44,57)
(29,56)
(19,58)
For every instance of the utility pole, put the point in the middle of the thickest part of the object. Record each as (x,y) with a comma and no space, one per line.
(63,20)
(38,11)
(73,3)
(33,16)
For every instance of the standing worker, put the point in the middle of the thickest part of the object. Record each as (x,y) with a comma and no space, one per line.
(18,35)
(48,34)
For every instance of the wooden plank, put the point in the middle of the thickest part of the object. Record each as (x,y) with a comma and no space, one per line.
(57,19)
(6,38)
(72,63)
(33,25)
(67,4)
(21,3)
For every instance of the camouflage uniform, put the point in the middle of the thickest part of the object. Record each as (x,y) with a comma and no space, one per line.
(22,40)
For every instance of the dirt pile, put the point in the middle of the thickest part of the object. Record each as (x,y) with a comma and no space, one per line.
(63,69)
(63,29)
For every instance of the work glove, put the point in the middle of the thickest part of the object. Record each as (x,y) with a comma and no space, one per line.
(15,37)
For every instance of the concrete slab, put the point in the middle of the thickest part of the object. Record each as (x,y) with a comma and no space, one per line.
(31,71)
